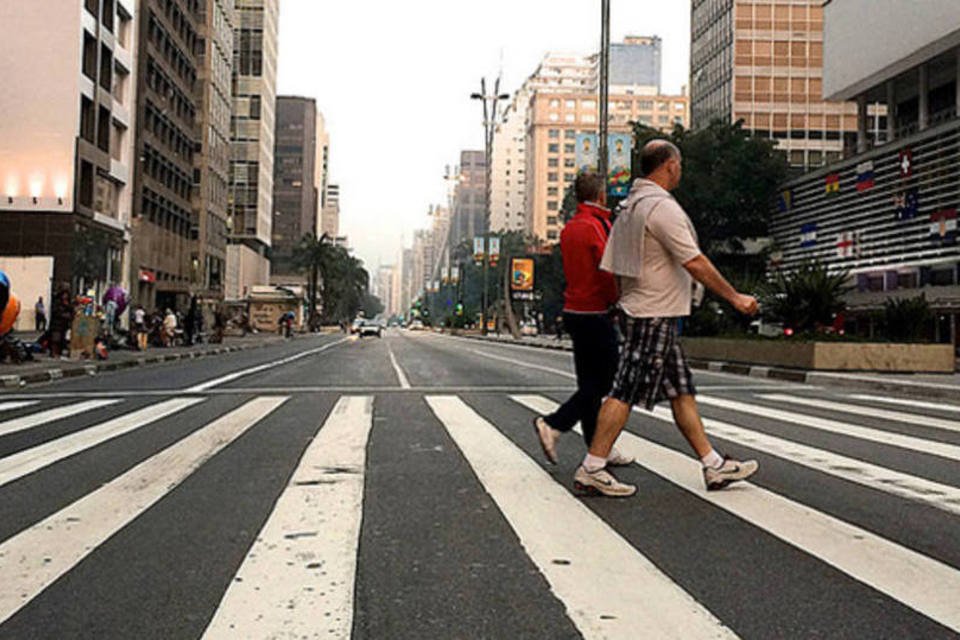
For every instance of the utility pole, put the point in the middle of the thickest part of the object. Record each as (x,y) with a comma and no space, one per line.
(490,102)
(604,97)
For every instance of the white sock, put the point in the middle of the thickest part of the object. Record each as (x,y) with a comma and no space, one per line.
(593,463)
(713,460)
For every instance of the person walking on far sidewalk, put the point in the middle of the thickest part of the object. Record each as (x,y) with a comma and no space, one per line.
(40,316)
(653,251)
(589,295)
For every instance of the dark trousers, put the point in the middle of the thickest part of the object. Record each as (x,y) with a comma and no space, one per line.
(595,355)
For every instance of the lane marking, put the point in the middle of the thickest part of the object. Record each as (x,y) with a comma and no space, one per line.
(871,412)
(939,406)
(297,579)
(401,376)
(362,389)
(610,589)
(941,449)
(50,415)
(36,557)
(25,462)
(216,382)
(10,406)
(921,583)
(528,365)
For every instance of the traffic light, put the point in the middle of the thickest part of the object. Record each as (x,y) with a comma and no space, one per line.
(458,310)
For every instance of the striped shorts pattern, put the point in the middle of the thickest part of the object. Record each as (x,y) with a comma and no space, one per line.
(652,366)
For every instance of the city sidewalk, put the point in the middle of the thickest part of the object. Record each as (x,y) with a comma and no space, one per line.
(45,369)
(934,385)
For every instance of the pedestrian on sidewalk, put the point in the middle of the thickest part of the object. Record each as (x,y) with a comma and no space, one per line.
(140,327)
(589,296)
(169,328)
(653,251)
(40,316)
(60,320)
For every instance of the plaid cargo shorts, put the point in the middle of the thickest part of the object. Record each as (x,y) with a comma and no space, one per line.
(652,365)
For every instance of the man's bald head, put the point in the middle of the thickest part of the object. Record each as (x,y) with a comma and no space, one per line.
(655,154)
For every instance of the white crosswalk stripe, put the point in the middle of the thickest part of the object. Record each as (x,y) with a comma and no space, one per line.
(50,415)
(10,406)
(918,404)
(924,584)
(935,494)
(941,449)
(298,577)
(860,410)
(25,462)
(528,497)
(34,558)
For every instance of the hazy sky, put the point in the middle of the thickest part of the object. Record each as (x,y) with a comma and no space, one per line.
(393,80)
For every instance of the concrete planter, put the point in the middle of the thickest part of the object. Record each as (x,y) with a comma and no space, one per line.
(826,356)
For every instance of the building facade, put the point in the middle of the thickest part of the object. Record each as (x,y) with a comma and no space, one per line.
(761,61)
(321,165)
(887,214)
(508,173)
(66,145)
(251,187)
(330,218)
(635,62)
(217,24)
(553,123)
(295,205)
(469,216)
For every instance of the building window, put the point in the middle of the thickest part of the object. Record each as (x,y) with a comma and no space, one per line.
(554,133)
(106,68)
(254,107)
(89,56)
(554,117)
(88,120)
(569,163)
(103,129)
(554,104)
(85,188)
(551,235)
(551,177)
(589,118)
(569,148)
(553,191)
(553,205)
(571,104)
(569,177)
(588,104)
(107,18)
(570,134)
(553,148)
(93,6)
(570,117)
(553,162)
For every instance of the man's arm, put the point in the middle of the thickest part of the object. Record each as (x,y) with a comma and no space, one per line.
(704,272)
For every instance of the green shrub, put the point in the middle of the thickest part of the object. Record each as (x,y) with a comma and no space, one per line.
(807,299)
(907,319)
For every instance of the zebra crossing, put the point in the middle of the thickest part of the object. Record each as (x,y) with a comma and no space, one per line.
(305,572)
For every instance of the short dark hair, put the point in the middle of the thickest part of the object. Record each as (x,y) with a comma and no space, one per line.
(655,153)
(588,187)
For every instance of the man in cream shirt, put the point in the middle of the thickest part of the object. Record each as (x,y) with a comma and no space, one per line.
(654,254)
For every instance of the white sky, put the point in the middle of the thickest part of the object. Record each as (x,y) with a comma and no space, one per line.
(393,80)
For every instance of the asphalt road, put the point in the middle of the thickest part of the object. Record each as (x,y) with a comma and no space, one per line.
(393,488)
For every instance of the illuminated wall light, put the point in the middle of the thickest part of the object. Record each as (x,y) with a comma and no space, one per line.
(36,188)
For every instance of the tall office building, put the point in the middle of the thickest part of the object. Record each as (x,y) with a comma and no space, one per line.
(321,164)
(251,189)
(66,143)
(635,62)
(294,193)
(330,219)
(508,174)
(168,116)
(217,22)
(407,291)
(469,216)
(762,62)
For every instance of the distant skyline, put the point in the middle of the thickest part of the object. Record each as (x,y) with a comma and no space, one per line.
(394,87)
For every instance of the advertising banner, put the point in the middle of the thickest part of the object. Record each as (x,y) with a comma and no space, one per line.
(454,275)
(478,250)
(445,275)
(494,250)
(618,164)
(521,274)
(586,157)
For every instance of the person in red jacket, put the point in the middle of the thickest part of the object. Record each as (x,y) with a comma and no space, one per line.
(589,295)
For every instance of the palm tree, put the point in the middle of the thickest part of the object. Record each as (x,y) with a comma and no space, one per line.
(313,255)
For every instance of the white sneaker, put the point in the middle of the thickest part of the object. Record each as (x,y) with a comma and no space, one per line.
(619,459)
(548,438)
(601,482)
(730,471)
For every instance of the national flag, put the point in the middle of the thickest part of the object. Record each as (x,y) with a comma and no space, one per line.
(865,178)
(832,184)
(905,163)
(808,235)
(943,226)
(785,200)
(848,244)
(907,204)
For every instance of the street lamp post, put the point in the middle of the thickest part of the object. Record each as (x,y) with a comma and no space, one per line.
(602,168)
(490,102)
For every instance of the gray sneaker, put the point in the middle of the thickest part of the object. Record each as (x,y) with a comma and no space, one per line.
(601,482)
(730,471)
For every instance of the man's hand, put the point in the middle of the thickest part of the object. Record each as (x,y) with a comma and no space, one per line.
(747,305)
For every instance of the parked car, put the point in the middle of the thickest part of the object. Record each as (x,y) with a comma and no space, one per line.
(528,329)
(415,325)
(370,328)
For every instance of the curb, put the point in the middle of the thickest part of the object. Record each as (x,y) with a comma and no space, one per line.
(92,369)
(873,382)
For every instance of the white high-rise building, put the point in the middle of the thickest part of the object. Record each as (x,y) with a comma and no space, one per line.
(508,180)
